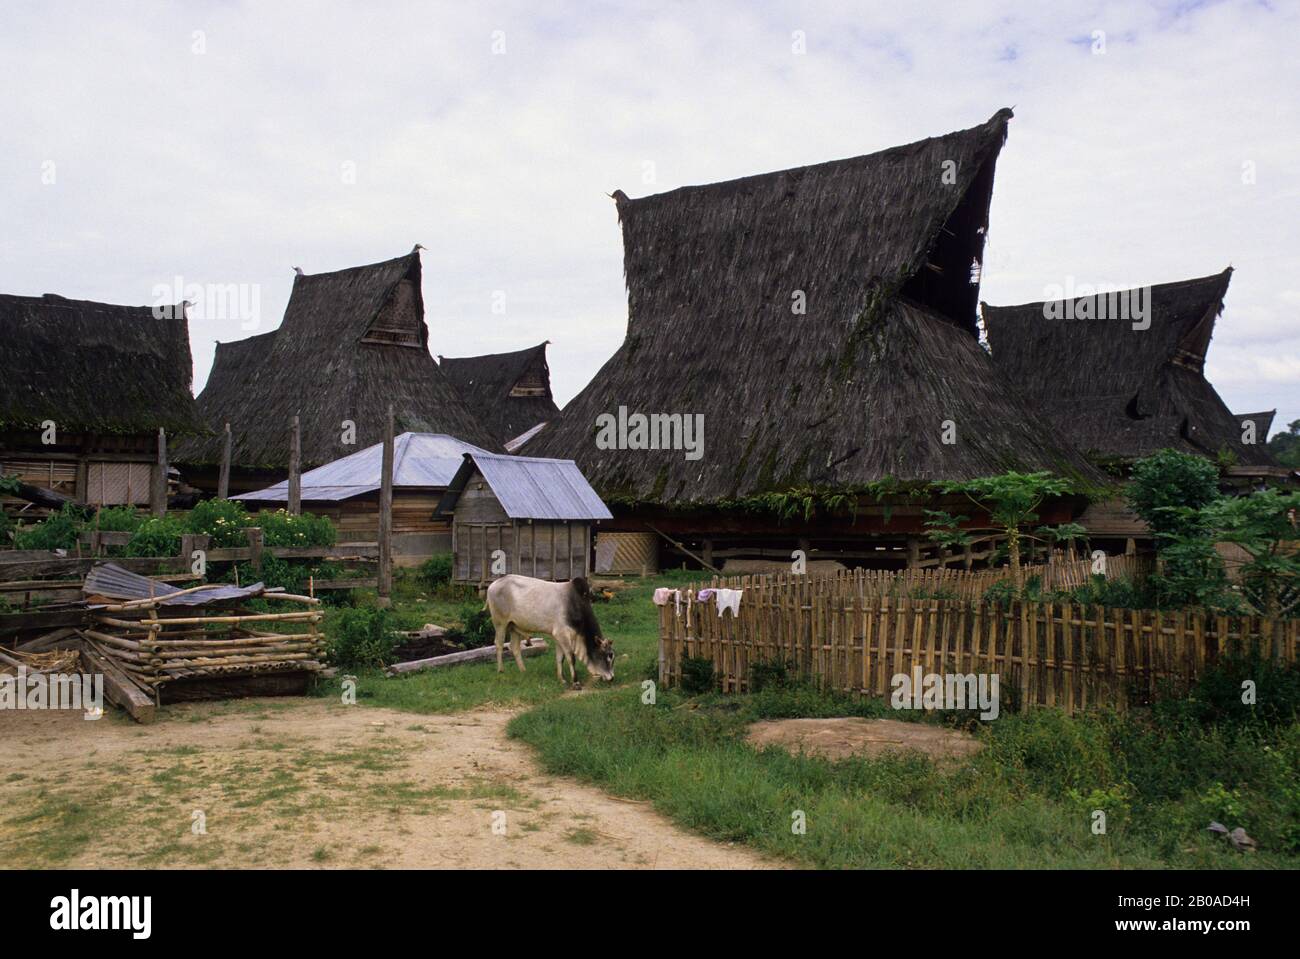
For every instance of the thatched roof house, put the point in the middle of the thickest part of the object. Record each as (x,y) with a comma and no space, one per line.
(509,392)
(822,320)
(1119,388)
(351,342)
(108,377)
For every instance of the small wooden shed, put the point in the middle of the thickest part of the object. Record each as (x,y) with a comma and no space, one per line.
(539,513)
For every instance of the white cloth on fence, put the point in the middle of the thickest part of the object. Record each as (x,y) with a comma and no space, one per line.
(729,599)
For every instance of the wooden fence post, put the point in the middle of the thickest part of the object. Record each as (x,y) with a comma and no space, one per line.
(223,478)
(385,582)
(158,492)
(254,534)
(295,467)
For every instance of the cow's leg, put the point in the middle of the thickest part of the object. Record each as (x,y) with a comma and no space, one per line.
(559,661)
(571,657)
(516,641)
(502,630)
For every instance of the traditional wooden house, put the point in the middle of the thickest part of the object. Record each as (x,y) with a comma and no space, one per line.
(1123,374)
(347,491)
(818,328)
(517,514)
(510,392)
(351,343)
(84,389)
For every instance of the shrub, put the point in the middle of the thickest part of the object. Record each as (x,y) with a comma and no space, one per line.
(117,519)
(477,629)
(436,570)
(769,674)
(58,531)
(360,638)
(281,528)
(222,519)
(697,675)
(156,536)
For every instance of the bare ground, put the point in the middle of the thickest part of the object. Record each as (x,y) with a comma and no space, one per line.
(302,783)
(854,736)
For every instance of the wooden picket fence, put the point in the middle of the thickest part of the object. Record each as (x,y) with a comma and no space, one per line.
(1055,654)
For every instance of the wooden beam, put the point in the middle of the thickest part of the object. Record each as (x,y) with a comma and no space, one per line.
(386,515)
(295,468)
(678,546)
(158,494)
(529,647)
(223,479)
(120,688)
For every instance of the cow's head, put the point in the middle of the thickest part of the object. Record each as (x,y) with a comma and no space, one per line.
(599,650)
(601,660)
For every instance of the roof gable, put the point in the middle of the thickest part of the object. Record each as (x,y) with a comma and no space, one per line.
(1124,386)
(530,487)
(352,342)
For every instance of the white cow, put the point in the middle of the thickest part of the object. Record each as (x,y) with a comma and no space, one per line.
(520,605)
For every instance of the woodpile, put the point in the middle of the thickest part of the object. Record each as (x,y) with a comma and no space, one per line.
(197,643)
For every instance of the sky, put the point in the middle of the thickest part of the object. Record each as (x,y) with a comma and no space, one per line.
(201,147)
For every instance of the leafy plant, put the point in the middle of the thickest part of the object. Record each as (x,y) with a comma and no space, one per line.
(222,519)
(360,638)
(1011,501)
(58,531)
(281,528)
(436,570)
(156,536)
(697,675)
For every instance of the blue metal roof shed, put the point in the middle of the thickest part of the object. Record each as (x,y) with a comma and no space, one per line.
(520,514)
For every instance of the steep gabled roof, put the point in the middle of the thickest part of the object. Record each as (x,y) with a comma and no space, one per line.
(1263,422)
(509,392)
(419,460)
(351,342)
(1119,390)
(853,388)
(94,367)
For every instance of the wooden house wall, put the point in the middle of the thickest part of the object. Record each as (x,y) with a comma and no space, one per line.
(554,550)
(102,470)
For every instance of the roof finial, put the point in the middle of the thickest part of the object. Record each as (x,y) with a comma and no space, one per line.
(298,271)
(417,248)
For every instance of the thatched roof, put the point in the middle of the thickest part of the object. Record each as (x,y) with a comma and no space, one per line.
(351,342)
(509,392)
(94,367)
(1120,392)
(855,390)
(1263,422)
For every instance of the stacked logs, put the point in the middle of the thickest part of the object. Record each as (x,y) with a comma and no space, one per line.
(154,643)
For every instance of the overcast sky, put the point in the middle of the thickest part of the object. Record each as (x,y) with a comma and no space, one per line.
(226,143)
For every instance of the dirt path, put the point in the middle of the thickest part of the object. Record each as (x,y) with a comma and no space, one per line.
(292,783)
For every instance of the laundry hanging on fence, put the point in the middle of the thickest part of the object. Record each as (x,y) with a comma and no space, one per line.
(729,599)
(705,595)
(662,594)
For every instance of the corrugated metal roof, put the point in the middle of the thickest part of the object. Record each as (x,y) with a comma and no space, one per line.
(419,459)
(532,488)
(114,582)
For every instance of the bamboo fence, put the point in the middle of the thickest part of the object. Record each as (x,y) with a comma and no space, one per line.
(154,644)
(854,633)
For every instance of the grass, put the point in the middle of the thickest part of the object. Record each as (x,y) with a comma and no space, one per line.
(1025,801)
(629,619)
